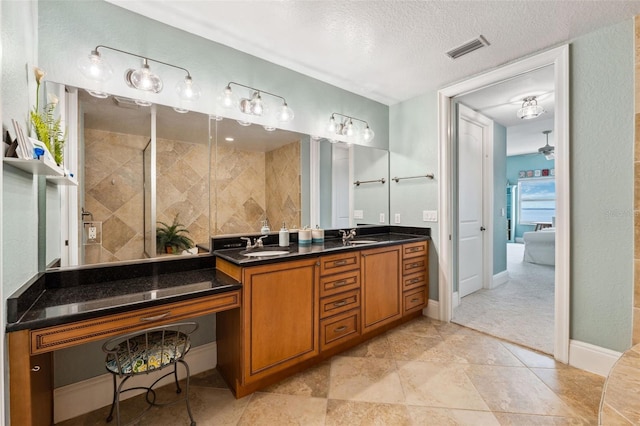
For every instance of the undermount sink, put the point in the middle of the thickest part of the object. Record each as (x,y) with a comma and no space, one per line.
(363,242)
(263,253)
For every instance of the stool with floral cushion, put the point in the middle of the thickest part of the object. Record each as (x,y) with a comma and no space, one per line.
(144,352)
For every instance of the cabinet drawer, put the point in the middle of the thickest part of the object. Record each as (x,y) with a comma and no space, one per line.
(339,263)
(415,299)
(339,303)
(414,280)
(414,265)
(62,336)
(339,329)
(414,249)
(339,282)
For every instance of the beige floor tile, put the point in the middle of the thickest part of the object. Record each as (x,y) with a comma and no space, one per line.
(449,328)
(516,390)
(311,382)
(275,409)
(366,413)
(435,384)
(531,358)
(448,416)
(623,386)
(421,326)
(611,417)
(411,347)
(378,347)
(481,349)
(210,379)
(579,389)
(365,379)
(511,419)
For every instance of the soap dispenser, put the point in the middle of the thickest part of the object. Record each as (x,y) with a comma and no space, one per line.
(265,227)
(284,236)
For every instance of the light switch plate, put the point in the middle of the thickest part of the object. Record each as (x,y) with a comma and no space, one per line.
(397,218)
(429,215)
(358,214)
(382,218)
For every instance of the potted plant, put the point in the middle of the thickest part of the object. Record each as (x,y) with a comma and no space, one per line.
(171,238)
(48,129)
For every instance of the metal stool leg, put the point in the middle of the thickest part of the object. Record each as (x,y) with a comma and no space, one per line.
(113,404)
(175,375)
(186,366)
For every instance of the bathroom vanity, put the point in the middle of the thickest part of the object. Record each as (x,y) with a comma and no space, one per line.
(276,314)
(300,308)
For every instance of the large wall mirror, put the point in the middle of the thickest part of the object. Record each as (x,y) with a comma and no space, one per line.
(141,166)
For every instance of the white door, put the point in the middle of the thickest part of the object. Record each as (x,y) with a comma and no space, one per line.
(472,139)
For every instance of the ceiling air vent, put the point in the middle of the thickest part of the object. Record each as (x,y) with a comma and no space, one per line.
(468,47)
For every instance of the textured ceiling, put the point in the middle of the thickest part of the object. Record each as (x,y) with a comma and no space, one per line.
(391,50)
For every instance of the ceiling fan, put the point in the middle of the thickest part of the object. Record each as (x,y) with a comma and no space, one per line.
(547,150)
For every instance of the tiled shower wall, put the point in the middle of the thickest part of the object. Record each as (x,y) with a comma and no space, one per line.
(114,191)
(636,274)
(249,186)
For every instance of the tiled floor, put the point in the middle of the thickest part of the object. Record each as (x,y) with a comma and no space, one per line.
(422,373)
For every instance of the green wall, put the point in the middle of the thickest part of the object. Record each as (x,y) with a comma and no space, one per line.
(499,198)
(413,150)
(602,179)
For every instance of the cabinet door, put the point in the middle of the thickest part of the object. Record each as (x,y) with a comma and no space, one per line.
(282,316)
(381,288)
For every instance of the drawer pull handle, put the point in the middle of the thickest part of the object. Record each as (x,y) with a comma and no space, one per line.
(413,281)
(157,317)
(35,368)
(415,300)
(414,249)
(339,262)
(339,329)
(340,283)
(340,303)
(414,265)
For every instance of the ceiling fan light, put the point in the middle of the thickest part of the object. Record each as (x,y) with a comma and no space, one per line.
(530,108)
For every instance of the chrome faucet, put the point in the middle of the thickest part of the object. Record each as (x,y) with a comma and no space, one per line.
(346,236)
(257,242)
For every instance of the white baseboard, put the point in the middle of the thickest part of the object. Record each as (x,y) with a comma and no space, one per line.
(499,279)
(83,397)
(595,359)
(455,302)
(432,310)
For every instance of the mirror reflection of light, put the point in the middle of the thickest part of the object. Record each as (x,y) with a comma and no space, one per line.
(229,139)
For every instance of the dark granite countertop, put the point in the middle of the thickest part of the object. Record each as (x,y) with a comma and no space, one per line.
(62,305)
(330,246)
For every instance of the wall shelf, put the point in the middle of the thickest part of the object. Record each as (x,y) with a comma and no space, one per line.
(41,166)
(63,180)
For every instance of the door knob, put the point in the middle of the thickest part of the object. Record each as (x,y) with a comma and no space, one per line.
(482,228)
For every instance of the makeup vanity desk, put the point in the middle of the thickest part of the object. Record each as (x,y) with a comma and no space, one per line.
(61,309)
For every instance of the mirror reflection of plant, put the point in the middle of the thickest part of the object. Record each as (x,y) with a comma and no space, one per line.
(48,129)
(171,238)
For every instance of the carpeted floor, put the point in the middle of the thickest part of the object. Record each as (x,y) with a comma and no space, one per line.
(520,310)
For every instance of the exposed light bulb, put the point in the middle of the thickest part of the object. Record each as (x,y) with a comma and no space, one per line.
(94,67)
(227,97)
(332,125)
(256,104)
(187,89)
(368,134)
(285,113)
(144,79)
(349,128)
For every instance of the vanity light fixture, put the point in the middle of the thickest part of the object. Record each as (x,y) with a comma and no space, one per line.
(94,67)
(345,127)
(530,108)
(254,105)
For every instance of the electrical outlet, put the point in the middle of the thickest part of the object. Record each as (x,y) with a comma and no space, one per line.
(397,218)
(93,233)
(382,218)
(358,214)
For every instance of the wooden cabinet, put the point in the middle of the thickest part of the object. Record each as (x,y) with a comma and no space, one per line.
(381,292)
(340,299)
(415,276)
(281,317)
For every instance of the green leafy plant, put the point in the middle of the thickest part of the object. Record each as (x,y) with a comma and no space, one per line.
(48,129)
(171,238)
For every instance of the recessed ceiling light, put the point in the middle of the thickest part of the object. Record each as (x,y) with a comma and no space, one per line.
(229,139)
